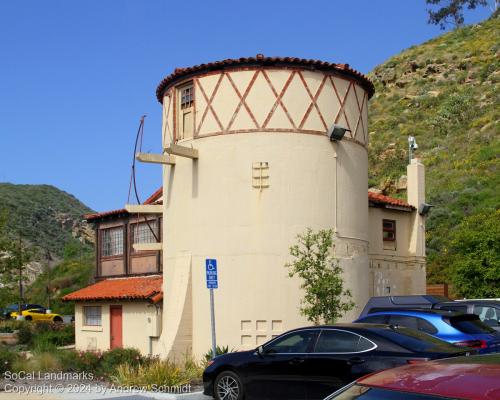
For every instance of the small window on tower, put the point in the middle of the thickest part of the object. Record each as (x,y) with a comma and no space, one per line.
(389,230)
(186,97)
(185,112)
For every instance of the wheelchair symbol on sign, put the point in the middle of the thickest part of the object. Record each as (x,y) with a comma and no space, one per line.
(211,267)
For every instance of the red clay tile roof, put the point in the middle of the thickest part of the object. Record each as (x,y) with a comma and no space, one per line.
(90,217)
(155,196)
(261,60)
(380,199)
(133,288)
(150,200)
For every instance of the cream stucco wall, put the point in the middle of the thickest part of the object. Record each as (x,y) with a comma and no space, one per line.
(213,210)
(134,327)
(398,268)
(395,268)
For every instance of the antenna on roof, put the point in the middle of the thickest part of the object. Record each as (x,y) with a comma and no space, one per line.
(133,181)
(412,146)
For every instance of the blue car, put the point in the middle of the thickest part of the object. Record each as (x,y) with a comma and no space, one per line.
(465,330)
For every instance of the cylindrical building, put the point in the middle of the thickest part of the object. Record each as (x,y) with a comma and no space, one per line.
(266,170)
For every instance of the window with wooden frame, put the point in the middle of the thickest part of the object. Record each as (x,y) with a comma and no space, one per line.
(92,315)
(389,230)
(144,232)
(185,111)
(112,242)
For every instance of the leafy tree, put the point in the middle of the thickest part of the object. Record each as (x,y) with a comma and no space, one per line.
(475,256)
(325,298)
(14,257)
(451,11)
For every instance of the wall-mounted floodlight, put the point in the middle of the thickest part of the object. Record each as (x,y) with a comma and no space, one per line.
(412,146)
(337,132)
(424,208)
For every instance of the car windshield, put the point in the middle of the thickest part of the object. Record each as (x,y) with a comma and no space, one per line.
(367,393)
(469,324)
(416,341)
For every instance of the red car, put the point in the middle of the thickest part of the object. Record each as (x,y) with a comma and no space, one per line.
(471,378)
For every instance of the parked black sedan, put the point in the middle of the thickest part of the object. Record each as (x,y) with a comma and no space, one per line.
(310,363)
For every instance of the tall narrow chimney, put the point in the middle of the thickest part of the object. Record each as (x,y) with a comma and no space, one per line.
(416,196)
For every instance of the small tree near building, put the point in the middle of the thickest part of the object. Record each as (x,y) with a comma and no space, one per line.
(15,255)
(325,298)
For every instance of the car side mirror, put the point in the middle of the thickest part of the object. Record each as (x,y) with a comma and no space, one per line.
(260,350)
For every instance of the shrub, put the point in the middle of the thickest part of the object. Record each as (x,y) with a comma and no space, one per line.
(44,326)
(20,363)
(7,359)
(77,361)
(42,343)
(44,361)
(156,372)
(475,255)
(193,370)
(61,337)
(6,329)
(88,361)
(24,334)
(70,361)
(113,358)
(218,351)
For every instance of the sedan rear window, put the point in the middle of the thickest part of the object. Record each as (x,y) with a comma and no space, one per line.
(338,341)
(468,323)
(368,393)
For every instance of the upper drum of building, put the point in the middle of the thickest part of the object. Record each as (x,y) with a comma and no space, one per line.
(265,94)
(260,60)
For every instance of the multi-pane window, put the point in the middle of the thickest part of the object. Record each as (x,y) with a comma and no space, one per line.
(389,230)
(185,112)
(92,316)
(112,242)
(186,97)
(144,233)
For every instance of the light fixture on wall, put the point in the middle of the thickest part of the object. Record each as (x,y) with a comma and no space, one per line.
(424,208)
(412,146)
(337,132)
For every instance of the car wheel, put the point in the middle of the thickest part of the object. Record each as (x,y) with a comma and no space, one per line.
(28,318)
(228,386)
(57,319)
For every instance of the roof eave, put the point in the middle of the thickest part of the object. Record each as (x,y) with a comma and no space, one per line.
(375,204)
(181,74)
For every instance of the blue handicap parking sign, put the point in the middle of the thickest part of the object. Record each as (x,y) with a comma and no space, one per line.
(211,270)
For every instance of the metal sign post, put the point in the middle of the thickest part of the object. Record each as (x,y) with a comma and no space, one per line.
(212,283)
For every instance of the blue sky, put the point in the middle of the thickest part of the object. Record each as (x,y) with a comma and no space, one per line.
(75,76)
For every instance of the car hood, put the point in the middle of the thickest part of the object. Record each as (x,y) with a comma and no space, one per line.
(231,357)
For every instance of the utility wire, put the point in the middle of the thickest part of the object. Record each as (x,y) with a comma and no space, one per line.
(133,180)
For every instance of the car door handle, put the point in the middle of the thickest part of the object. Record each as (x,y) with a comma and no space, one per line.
(296,361)
(355,360)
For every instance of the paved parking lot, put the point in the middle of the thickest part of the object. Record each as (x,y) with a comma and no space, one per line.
(94,392)
(97,393)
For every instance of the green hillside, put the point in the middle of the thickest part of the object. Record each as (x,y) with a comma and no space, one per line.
(44,216)
(47,218)
(72,273)
(444,92)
